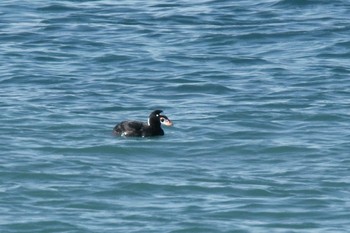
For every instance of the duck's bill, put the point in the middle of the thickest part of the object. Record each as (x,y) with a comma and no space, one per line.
(166,121)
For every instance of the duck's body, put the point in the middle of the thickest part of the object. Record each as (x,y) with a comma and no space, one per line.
(137,129)
(141,129)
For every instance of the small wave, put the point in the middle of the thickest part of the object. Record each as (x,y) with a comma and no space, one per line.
(56,8)
(207,88)
(298,3)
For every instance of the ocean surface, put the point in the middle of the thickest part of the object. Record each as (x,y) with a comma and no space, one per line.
(259,93)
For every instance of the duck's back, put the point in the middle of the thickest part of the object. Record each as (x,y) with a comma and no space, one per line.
(129,128)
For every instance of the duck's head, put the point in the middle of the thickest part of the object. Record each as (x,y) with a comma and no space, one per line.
(156,116)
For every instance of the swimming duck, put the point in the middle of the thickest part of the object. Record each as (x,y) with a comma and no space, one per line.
(141,129)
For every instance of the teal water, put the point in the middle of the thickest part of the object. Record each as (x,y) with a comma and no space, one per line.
(259,93)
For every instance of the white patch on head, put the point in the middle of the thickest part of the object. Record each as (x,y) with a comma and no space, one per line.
(148,122)
(124,134)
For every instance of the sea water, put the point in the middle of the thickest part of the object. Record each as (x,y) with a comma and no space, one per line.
(259,93)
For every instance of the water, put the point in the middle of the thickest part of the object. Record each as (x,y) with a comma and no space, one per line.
(258,91)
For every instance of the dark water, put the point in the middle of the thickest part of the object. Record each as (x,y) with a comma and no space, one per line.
(259,92)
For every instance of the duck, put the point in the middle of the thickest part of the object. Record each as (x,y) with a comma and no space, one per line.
(141,129)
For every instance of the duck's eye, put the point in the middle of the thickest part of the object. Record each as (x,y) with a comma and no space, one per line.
(162,119)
